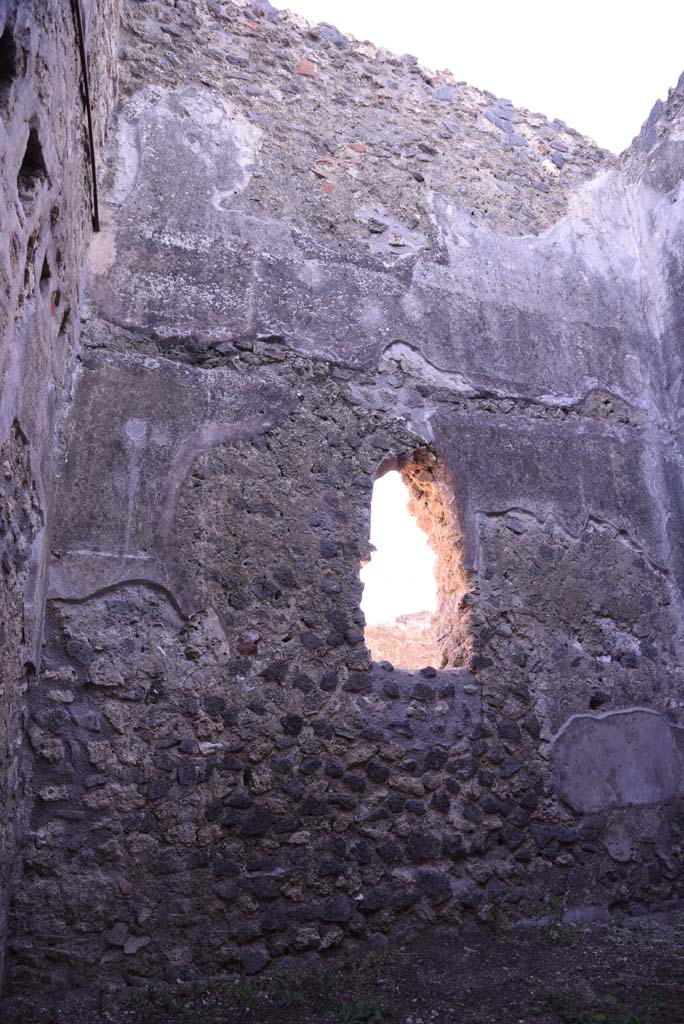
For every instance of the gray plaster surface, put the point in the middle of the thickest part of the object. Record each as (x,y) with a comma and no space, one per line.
(619,758)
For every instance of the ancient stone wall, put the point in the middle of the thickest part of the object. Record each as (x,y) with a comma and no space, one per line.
(45,212)
(655,165)
(318,258)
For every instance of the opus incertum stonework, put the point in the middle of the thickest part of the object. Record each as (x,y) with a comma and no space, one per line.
(315,261)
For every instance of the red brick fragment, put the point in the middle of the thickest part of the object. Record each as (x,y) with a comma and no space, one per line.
(307,68)
(328,186)
(358,147)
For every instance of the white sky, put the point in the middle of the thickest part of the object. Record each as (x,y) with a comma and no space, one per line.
(400,577)
(598,65)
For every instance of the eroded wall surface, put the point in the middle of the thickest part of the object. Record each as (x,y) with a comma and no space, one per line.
(45,213)
(655,167)
(293,288)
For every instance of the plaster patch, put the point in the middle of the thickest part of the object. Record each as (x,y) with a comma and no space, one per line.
(615,759)
(102,254)
(127,165)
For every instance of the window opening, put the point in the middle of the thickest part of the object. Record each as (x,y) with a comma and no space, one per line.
(8,62)
(414,582)
(45,276)
(33,170)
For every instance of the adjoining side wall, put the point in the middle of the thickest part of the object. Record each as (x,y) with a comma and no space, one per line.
(655,166)
(45,213)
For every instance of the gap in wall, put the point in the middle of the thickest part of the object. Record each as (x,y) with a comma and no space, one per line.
(32,171)
(413,580)
(8,63)
(45,276)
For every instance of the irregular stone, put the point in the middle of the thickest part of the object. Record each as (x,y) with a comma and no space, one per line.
(422,846)
(333,35)
(134,943)
(433,884)
(336,909)
(254,959)
(257,822)
(117,934)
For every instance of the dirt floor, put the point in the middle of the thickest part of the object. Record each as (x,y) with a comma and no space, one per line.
(631,972)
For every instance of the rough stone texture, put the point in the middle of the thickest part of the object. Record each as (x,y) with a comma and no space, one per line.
(45,212)
(20,524)
(319,260)
(362,136)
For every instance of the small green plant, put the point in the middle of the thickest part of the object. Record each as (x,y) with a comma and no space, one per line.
(368,1011)
(566,1007)
(615,1012)
(151,1004)
(285,989)
(559,933)
(189,1015)
(497,918)
(244,992)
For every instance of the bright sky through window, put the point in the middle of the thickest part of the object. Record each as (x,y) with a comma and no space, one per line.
(400,577)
